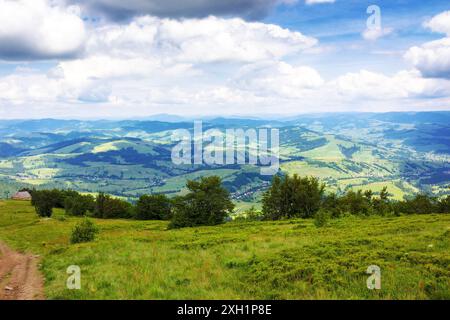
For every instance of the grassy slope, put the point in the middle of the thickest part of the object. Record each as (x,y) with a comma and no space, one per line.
(279,260)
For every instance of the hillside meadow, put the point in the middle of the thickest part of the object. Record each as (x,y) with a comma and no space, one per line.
(291,259)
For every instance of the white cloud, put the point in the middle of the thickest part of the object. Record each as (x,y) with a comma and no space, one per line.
(402,85)
(29,88)
(373,34)
(278,79)
(433,58)
(34,29)
(208,66)
(199,40)
(127,62)
(440,23)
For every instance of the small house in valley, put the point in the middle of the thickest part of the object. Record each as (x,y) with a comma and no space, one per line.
(22,195)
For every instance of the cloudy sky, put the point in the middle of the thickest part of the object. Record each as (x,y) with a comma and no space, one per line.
(130,59)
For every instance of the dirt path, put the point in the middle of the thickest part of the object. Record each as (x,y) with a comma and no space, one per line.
(20,278)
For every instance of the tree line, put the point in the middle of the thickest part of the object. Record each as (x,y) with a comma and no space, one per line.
(303,197)
(207,202)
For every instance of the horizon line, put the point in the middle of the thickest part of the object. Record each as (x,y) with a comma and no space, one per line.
(267,117)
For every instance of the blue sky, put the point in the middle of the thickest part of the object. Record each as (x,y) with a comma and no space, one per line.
(340,24)
(110,59)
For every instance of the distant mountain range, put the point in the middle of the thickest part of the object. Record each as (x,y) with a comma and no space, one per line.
(408,152)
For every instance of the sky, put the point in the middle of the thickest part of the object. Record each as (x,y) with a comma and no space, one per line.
(117,59)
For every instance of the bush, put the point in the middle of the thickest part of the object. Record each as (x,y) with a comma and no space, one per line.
(153,207)
(107,207)
(207,203)
(79,205)
(321,218)
(43,203)
(84,231)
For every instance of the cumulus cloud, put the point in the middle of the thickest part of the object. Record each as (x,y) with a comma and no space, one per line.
(198,40)
(140,60)
(35,29)
(278,79)
(196,65)
(30,88)
(433,58)
(373,34)
(122,10)
(402,85)
(440,23)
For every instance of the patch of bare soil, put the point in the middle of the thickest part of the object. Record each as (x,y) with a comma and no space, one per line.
(20,278)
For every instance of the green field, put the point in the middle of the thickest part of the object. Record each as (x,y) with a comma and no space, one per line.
(249,260)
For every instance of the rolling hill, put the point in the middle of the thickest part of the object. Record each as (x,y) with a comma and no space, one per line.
(408,152)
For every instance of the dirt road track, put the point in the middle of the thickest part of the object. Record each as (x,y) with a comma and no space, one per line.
(20,278)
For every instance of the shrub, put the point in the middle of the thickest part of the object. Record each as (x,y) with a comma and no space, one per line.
(43,203)
(207,203)
(107,207)
(153,207)
(79,205)
(321,218)
(84,231)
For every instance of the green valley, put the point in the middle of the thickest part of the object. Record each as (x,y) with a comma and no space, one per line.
(408,153)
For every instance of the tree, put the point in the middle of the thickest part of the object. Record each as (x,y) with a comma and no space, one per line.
(420,204)
(153,207)
(43,203)
(384,194)
(294,196)
(381,205)
(356,203)
(108,208)
(59,197)
(273,204)
(368,194)
(423,204)
(79,205)
(207,203)
(444,205)
(331,203)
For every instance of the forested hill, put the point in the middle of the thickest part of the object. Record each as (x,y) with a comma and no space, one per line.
(407,152)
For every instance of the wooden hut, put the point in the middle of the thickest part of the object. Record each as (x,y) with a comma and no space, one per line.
(22,195)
